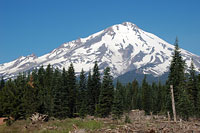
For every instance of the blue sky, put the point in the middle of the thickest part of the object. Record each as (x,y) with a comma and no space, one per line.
(39,26)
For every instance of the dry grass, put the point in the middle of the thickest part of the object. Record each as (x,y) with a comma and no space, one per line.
(53,126)
(145,124)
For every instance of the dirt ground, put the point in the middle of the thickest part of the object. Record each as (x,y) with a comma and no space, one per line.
(141,123)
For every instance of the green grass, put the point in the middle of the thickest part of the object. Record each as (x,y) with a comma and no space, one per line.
(53,126)
(16,127)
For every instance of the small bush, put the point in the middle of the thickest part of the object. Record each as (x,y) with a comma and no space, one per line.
(9,122)
(127,119)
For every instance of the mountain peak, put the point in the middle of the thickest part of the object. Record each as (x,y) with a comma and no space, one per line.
(129,24)
(122,47)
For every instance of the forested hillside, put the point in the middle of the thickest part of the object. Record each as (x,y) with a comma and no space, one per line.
(59,94)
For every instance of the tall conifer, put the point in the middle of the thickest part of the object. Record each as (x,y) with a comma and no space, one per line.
(71,81)
(82,97)
(90,99)
(106,95)
(96,82)
(2,83)
(117,108)
(146,96)
(176,75)
(192,86)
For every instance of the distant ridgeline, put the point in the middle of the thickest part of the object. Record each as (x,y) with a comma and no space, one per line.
(131,75)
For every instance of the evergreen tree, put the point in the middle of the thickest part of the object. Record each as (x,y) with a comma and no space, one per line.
(40,77)
(19,102)
(30,97)
(2,83)
(117,108)
(65,94)
(146,96)
(57,90)
(135,86)
(139,100)
(48,92)
(82,97)
(71,83)
(128,102)
(184,106)
(176,75)
(198,97)
(39,84)
(48,75)
(161,98)
(121,89)
(96,85)
(192,86)
(8,98)
(106,95)
(156,105)
(198,104)
(90,103)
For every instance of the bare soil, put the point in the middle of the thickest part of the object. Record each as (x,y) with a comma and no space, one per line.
(141,123)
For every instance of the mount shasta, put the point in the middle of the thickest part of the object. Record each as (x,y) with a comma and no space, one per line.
(123,47)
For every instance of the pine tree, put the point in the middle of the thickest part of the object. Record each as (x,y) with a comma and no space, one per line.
(176,76)
(58,108)
(40,77)
(146,96)
(161,98)
(8,98)
(12,98)
(64,96)
(198,104)
(35,83)
(2,83)
(154,100)
(121,89)
(82,97)
(19,102)
(192,86)
(48,75)
(139,100)
(128,102)
(30,97)
(96,85)
(198,97)
(106,96)
(117,108)
(135,86)
(184,106)
(71,82)
(39,84)
(90,103)
(48,97)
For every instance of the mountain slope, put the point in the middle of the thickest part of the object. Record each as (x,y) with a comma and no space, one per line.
(123,47)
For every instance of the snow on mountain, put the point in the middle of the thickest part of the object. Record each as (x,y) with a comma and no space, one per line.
(123,47)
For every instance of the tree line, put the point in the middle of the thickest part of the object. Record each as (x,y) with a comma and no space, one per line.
(59,94)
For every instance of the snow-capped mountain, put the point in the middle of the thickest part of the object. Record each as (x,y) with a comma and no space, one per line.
(123,47)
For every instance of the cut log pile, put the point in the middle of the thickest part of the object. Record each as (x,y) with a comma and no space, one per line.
(37,117)
(141,123)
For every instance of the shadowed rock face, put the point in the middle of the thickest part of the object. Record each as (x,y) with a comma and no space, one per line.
(123,47)
(126,53)
(138,57)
